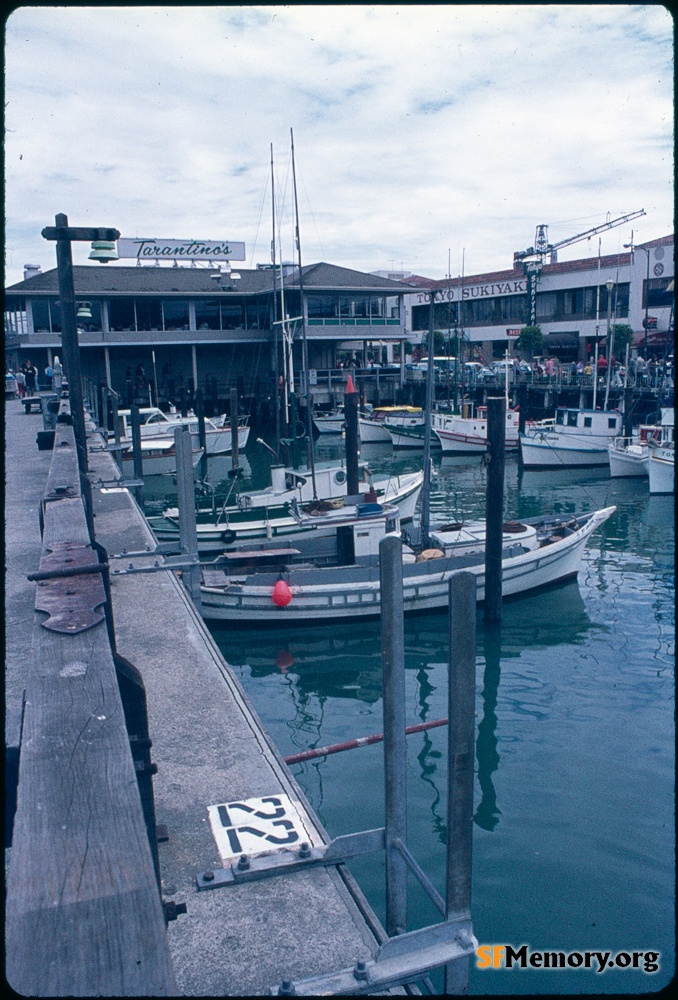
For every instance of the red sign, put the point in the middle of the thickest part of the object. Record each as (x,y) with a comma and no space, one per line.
(513,333)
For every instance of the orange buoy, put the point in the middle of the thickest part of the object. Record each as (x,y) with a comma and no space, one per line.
(281,594)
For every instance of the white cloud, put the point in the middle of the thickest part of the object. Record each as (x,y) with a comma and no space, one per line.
(417,128)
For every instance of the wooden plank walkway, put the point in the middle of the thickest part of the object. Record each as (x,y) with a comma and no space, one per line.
(210,748)
(84,915)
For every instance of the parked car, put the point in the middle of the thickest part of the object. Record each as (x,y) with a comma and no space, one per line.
(477,372)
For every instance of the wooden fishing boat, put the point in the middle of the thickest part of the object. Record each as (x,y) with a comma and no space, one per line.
(575,438)
(630,456)
(661,462)
(158,456)
(156,423)
(273,512)
(466,433)
(341,581)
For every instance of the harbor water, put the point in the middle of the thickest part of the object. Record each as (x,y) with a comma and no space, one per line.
(574,846)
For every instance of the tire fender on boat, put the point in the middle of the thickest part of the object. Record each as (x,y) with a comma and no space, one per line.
(228,536)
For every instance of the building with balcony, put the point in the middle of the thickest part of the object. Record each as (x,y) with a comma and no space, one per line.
(571,303)
(190,325)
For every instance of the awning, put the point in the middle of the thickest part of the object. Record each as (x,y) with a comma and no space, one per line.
(655,338)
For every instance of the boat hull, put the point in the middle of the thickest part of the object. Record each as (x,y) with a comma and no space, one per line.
(353,592)
(661,470)
(460,435)
(628,460)
(373,432)
(548,451)
(156,464)
(277,521)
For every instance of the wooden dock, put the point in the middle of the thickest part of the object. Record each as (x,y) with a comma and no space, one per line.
(84,912)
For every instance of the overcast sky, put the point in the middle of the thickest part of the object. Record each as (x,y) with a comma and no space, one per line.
(419,130)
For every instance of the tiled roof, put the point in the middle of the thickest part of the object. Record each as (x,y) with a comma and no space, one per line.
(102,280)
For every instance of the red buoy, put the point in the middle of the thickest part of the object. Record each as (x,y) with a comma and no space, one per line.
(281,594)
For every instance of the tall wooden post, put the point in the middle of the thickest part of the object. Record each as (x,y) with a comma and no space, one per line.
(235,453)
(460,768)
(494,515)
(352,439)
(69,338)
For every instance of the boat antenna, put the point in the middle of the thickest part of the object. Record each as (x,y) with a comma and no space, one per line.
(304,341)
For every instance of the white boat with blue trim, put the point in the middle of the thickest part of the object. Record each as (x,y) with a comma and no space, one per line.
(575,438)
(340,580)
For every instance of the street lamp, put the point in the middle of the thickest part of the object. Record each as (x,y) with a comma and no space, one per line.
(630,246)
(64,235)
(609,284)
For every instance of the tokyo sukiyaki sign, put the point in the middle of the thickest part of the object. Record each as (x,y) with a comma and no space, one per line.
(155,249)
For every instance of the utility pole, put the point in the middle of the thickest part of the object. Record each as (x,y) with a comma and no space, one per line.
(64,235)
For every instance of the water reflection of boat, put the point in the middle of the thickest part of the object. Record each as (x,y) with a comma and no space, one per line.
(325,662)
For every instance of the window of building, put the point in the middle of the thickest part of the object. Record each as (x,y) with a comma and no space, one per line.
(322,307)
(587,421)
(377,306)
(360,307)
(175,314)
(207,314)
(55,315)
(40,310)
(231,316)
(95,322)
(121,314)
(655,294)
(392,307)
(149,314)
(256,316)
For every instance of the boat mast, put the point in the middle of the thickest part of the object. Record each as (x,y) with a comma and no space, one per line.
(461,328)
(426,488)
(276,362)
(595,353)
(304,341)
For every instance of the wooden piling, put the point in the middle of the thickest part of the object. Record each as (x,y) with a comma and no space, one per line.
(352,439)
(494,516)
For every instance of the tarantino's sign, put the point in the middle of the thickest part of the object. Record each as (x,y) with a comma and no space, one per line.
(153,249)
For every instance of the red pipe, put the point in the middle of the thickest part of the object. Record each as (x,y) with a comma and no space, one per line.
(362,741)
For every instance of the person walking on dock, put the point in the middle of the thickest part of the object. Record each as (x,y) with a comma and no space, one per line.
(30,375)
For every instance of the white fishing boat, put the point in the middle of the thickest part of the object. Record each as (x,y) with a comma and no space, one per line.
(272,512)
(155,423)
(329,423)
(299,587)
(372,426)
(406,426)
(466,433)
(575,438)
(628,456)
(661,462)
(158,456)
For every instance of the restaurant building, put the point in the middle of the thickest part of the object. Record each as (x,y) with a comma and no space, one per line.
(191,324)
(572,302)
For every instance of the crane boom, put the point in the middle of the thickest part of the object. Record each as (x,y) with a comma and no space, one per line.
(542,247)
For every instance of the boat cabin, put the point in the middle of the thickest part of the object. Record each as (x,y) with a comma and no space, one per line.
(607,422)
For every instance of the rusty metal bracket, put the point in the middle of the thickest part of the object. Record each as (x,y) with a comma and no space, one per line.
(70,588)
(400,960)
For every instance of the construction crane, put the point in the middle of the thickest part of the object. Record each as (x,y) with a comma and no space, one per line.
(534,258)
